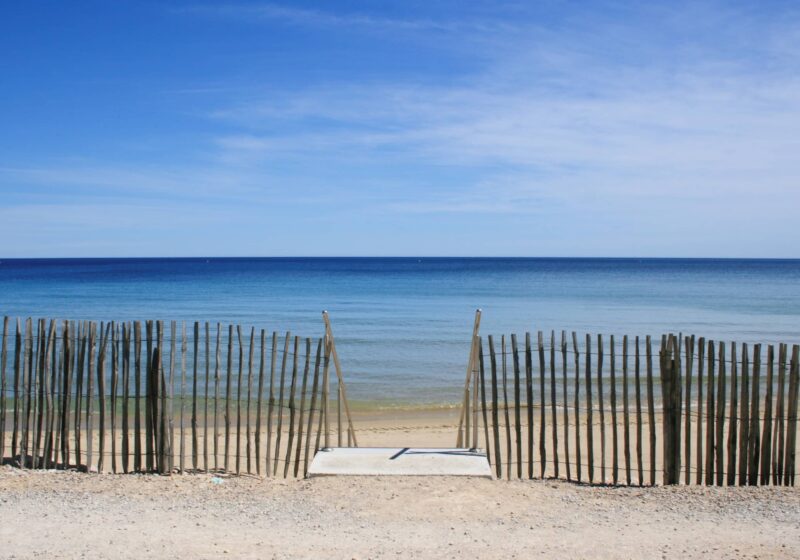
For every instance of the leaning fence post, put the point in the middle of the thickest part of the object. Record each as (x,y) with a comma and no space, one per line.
(325,392)
(342,393)
(470,367)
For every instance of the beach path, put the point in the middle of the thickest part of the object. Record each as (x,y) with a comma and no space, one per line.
(399,461)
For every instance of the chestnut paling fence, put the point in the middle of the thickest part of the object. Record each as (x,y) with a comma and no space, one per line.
(145,397)
(620,410)
(150,397)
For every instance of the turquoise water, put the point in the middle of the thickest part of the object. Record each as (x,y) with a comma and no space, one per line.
(403,324)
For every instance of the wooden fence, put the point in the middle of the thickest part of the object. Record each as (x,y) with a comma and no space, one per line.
(134,397)
(150,397)
(610,410)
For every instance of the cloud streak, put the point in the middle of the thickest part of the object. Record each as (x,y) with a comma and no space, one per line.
(645,126)
(273,12)
(691,128)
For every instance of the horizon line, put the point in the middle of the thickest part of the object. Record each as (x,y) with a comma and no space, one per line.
(493,257)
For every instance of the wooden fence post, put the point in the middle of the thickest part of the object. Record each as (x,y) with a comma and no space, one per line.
(720,421)
(89,395)
(710,415)
(687,447)
(271,400)
(791,424)
(778,445)
(484,411)
(754,444)
(101,378)
(114,382)
(17,388)
(589,410)
(342,392)
(279,429)
(495,419)
(504,380)
(326,389)
(259,399)
(217,380)
(625,411)
(3,357)
(671,404)
(744,414)
(639,439)
(195,373)
(529,399)
(137,389)
(292,411)
(766,436)
(148,401)
(207,386)
(701,349)
(665,370)
(601,407)
(66,387)
(733,421)
(542,411)
(578,465)
(303,388)
(460,442)
(517,412)
(228,389)
(612,383)
(565,400)
(239,384)
(553,413)
(312,409)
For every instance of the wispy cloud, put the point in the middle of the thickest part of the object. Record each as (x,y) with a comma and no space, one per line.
(572,125)
(703,124)
(557,111)
(267,11)
(605,124)
(104,181)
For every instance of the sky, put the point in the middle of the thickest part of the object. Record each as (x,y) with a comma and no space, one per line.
(378,128)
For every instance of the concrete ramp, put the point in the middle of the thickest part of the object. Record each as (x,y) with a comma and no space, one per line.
(399,461)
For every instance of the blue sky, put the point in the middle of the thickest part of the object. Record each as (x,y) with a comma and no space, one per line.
(400,128)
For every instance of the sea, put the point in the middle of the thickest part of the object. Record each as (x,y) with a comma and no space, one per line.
(403,325)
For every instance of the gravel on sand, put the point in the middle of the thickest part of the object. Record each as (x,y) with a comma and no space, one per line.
(74,515)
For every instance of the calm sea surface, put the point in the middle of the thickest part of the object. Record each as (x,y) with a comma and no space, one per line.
(403,324)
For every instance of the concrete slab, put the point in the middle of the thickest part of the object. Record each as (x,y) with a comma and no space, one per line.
(399,461)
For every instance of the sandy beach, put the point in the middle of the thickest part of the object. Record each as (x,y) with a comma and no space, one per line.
(350,280)
(436,427)
(73,515)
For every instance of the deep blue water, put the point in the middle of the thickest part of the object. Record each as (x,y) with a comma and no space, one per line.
(403,324)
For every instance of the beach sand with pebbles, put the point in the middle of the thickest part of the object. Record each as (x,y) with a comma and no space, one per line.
(74,515)
(56,514)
